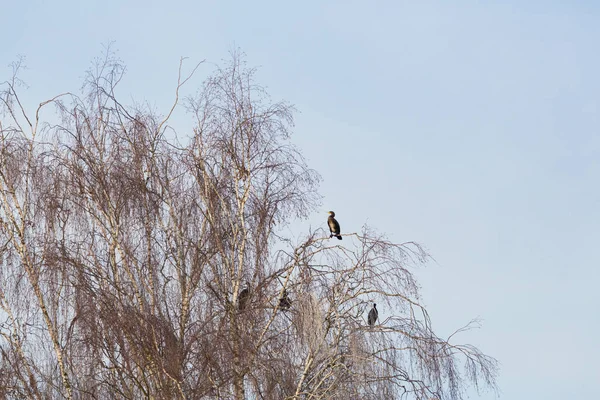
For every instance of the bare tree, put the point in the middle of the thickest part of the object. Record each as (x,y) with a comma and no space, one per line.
(140,262)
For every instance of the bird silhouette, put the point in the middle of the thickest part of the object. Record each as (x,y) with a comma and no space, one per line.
(243,298)
(284,302)
(373,314)
(334,226)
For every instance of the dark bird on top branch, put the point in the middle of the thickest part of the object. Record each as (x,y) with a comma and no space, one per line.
(334,226)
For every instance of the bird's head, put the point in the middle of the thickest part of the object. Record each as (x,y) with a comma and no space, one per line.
(331,214)
(374,305)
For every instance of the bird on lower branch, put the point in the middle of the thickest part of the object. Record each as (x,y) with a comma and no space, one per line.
(373,314)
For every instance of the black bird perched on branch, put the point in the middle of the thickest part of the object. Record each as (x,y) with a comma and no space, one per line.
(334,226)
(243,298)
(373,314)
(284,302)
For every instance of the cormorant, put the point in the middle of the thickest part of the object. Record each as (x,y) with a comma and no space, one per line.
(284,302)
(243,298)
(334,226)
(373,314)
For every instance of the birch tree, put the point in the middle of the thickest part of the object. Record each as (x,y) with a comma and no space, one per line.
(143,262)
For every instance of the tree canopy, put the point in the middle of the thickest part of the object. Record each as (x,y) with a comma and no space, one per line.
(142,262)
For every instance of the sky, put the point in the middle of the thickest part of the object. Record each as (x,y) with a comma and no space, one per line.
(471,127)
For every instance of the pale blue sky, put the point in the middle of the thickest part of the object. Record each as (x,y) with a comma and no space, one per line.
(472,128)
